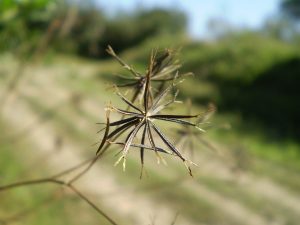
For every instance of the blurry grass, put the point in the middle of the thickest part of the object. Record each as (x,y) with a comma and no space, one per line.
(93,87)
(173,198)
(276,157)
(176,197)
(270,160)
(196,208)
(279,175)
(64,126)
(42,208)
(168,189)
(270,209)
(285,152)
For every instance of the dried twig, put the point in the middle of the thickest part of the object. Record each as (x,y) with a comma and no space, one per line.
(55,180)
(164,69)
(187,136)
(142,118)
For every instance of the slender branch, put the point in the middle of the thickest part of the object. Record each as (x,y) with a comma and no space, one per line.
(174,116)
(131,137)
(85,170)
(147,85)
(167,142)
(122,121)
(62,183)
(142,143)
(143,146)
(129,103)
(30,182)
(124,112)
(123,127)
(83,197)
(105,134)
(183,122)
(129,68)
(73,168)
(175,218)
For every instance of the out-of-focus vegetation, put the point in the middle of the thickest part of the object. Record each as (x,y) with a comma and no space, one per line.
(251,76)
(81,29)
(291,8)
(254,73)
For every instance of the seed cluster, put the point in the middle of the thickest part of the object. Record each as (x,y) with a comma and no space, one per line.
(141,116)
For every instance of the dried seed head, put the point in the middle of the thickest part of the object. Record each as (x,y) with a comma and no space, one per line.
(139,119)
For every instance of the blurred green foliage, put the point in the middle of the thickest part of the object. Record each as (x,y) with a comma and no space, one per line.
(127,31)
(246,72)
(255,73)
(240,58)
(82,29)
(291,8)
(22,23)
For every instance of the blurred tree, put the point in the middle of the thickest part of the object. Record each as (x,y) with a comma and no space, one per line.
(254,75)
(79,27)
(284,25)
(128,30)
(291,8)
(278,27)
(25,31)
(23,22)
(84,33)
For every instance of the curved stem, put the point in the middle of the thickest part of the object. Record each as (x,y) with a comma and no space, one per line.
(85,170)
(62,183)
(31,182)
(83,197)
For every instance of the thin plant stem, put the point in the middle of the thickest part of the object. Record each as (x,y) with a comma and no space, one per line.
(58,182)
(30,182)
(84,171)
(83,197)
(175,218)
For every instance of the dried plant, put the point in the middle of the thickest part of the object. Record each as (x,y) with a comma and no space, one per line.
(144,117)
(187,137)
(137,120)
(164,69)
(58,180)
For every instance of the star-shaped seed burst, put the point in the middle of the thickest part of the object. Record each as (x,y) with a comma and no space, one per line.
(188,137)
(142,119)
(164,69)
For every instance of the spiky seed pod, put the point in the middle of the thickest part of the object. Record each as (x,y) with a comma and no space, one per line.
(142,118)
(164,69)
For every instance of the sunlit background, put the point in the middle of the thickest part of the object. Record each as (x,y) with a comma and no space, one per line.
(200,13)
(56,79)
